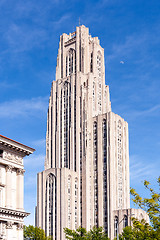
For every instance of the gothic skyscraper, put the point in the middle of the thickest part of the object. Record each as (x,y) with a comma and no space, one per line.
(86,177)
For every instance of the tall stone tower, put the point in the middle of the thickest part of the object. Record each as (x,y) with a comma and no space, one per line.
(86,176)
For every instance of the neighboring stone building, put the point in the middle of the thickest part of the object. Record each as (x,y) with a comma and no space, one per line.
(11,188)
(86,177)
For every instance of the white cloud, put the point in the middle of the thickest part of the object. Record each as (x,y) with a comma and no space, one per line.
(22,38)
(61,20)
(140,170)
(6,85)
(134,114)
(34,161)
(122,62)
(39,142)
(28,107)
(130,44)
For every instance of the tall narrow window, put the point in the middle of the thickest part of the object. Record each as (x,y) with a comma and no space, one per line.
(1,153)
(119,160)
(56,113)
(71,62)
(66,66)
(50,205)
(81,178)
(94,92)
(104,141)
(70,65)
(66,133)
(76,203)
(69,202)
(95,174)
(75,122)
(75,62)
(115,226)
(60,130)
(91,64)
(99,72)
(125,221)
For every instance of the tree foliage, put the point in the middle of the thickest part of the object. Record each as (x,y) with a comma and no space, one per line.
(97,234)
(141,229)
(81,234)
(35,233)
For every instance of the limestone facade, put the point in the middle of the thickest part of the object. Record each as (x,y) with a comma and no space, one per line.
(86,176)
(11,188)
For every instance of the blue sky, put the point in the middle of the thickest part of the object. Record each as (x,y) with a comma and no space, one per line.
(129,33)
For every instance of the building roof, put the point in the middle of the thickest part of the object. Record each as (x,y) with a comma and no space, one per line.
(16,145)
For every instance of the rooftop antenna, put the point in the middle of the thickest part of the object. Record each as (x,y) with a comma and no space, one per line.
(79,21)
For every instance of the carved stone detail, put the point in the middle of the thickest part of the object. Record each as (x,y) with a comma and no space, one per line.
(20,171)
(20,226)
(12,157)
(9,225)
(9,168)
(2,236)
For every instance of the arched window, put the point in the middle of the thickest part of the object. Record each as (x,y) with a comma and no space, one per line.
(125,221)
(50,205)
(115,226)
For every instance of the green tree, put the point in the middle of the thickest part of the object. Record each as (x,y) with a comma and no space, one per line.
(97,234)
(34,233)
(141,229)
(81,234)
(78,234)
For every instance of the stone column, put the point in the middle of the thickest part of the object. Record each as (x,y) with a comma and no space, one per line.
(20,188)
(9,186)
(20,231)
(9,227)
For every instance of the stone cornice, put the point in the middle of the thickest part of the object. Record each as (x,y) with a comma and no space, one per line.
(16,146)
(14,213)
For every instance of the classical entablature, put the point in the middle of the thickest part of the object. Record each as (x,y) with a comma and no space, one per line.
(12,151)
(14,214)
(15,146)
(11,188)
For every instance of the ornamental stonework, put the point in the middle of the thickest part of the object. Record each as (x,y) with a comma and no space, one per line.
(9,168)
(20,226)
(13,157)
(9,225)
(20,171)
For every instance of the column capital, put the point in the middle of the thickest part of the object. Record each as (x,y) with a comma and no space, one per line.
(20,171)
(9,225)
(20,226)
(9,168)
